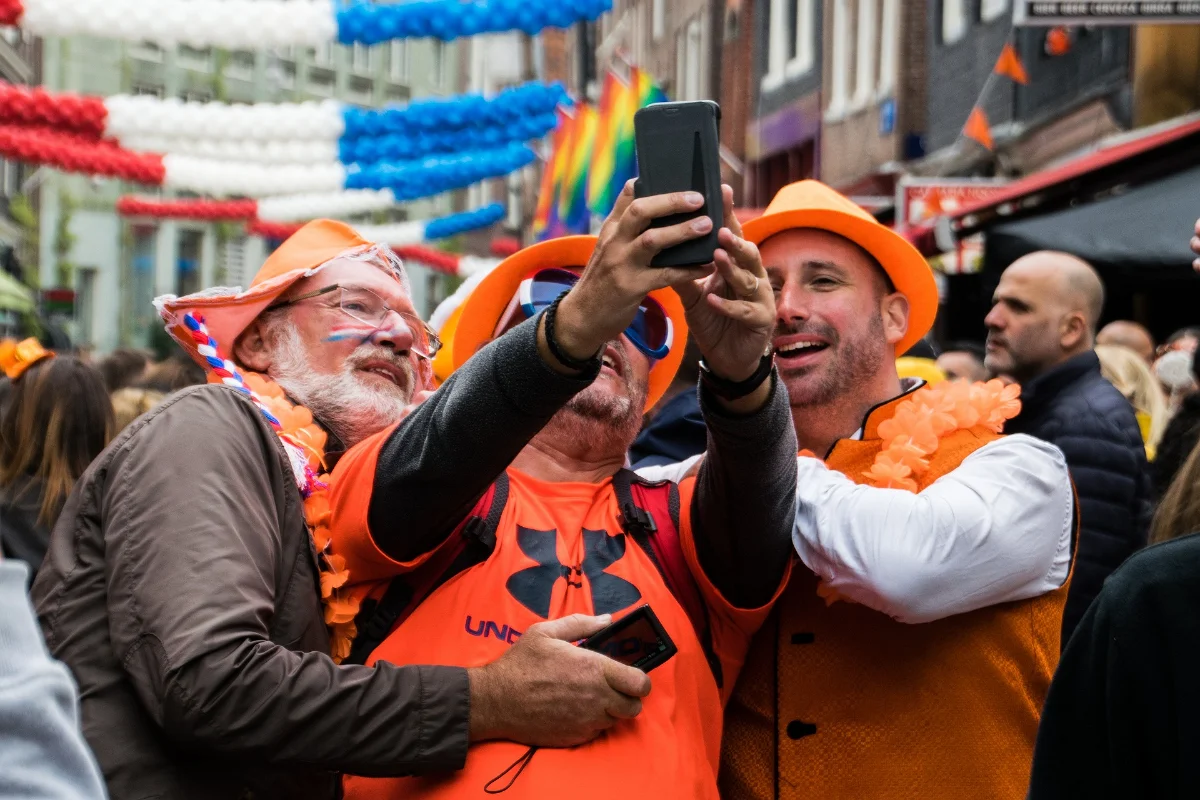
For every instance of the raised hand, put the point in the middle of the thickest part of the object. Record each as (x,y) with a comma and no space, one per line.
(731,313)
(619,276)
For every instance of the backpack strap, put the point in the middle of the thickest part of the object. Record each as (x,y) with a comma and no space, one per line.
(472,542)
(649,514)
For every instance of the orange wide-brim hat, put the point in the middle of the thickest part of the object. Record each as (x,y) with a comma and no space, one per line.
(488,302)
(812,204)
(227,312)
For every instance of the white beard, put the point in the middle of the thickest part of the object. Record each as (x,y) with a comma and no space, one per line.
(351,408)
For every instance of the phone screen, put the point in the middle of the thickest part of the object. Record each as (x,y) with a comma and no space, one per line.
(636,644)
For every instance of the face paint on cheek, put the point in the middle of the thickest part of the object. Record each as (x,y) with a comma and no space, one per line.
(358,333)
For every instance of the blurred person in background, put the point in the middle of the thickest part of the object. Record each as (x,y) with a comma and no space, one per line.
(1196,247)
(1041,331)
(130,403)
(1179,438)
(1122,718)
(1123,333)
(58,419)
(1173,365)
(123,367)
(1131,375)
(963,361)
(172,374)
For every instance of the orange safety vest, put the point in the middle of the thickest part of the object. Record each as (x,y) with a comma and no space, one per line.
(839,701)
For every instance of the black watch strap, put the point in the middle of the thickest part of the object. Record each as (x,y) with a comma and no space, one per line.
(583,365)
(734,390)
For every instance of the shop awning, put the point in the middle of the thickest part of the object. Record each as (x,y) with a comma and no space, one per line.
(1132,158)
(14,295)
(1141,234)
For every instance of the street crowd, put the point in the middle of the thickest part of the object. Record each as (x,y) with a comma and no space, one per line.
(329,551)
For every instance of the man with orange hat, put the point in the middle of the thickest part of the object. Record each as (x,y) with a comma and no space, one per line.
(189,584)
(910,653)
(523,512)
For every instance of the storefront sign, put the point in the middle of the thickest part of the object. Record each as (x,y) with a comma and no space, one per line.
(919,200)
(1030,12)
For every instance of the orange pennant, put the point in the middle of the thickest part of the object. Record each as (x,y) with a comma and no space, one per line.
(977,128)
(1009,63)
(1058,41)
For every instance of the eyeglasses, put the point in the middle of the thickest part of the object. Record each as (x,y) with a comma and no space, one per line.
(370,309)
(650,332)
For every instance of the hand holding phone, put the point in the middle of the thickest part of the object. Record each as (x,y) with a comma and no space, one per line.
(678,150)
(637,640)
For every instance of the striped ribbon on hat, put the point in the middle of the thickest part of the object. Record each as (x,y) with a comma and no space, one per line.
(226,370)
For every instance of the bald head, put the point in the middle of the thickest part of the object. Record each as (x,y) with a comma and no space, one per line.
(1124,333)
(1045,311)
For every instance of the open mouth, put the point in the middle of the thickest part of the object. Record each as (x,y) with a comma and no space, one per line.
(797,351)
(611,360)
(389,372)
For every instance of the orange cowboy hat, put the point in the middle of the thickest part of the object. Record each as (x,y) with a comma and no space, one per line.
(487,303)
(227,313)
(812,204)
(16,357)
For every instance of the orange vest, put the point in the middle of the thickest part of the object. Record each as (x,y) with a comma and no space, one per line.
(840,701)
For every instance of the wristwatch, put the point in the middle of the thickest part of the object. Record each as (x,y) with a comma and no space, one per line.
(734,390)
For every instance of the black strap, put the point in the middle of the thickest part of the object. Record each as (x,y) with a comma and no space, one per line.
(519,765)
(478,540)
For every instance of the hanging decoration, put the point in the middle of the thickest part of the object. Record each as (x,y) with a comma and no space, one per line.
(572,198)
(206,210)
(616,159)
(978,129)
(257,24)
(546,224)
(71,153)
(335,205)
(140,118)
(1009,65)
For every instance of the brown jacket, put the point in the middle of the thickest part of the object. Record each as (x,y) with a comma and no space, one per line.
(181,588)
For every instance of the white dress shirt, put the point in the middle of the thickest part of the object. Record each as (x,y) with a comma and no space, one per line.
(996,529)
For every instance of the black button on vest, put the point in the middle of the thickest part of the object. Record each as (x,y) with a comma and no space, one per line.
(798,730)
(802,638)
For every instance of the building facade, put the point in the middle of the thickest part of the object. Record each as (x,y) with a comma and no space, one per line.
(117,265)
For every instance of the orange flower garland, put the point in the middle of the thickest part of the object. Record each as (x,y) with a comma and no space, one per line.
(300,429)
(914,432)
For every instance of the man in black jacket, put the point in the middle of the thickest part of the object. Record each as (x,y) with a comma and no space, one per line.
(1041,331)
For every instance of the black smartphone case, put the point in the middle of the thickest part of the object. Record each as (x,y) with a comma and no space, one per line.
(677,151)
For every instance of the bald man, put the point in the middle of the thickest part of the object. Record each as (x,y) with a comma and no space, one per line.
(1124,333)
(1041,331)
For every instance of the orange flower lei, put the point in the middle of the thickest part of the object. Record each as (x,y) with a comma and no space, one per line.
(299,429)
(914,432)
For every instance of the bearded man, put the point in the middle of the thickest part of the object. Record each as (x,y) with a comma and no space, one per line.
(909,656)
(533,431)
(184,586)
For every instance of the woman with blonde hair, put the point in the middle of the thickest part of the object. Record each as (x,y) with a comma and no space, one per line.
(1127,371)
(57,419)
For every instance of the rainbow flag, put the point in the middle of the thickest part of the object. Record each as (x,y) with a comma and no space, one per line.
(616,158)
(545,217)
(572,197)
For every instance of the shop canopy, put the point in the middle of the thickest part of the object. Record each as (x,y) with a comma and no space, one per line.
(1141,234)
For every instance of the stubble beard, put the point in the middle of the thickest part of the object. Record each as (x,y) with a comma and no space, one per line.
(856,362)
(344,402)
(599,421)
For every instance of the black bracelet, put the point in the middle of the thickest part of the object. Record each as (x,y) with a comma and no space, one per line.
(583,365)
(735,390)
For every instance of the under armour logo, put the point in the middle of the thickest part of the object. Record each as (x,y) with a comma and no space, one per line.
(533,586)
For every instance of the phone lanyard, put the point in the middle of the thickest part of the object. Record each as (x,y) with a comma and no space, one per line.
(520,764)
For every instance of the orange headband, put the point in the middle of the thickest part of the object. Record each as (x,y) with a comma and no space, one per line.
(16,357)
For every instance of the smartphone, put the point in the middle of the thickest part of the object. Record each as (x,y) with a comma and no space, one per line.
(678,150)
(637,639)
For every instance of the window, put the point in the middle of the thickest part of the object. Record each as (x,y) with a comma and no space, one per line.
(321,82)
(85,304)
(283,74)
(241,65)
(864,67)
(360,59)
(146,51)
(791,48)
(954,20)
(398,68)
(187,269)
(658,18)
(439,64)
(889,64)
(286,51)
(362,90)
(840,60)
(195,96)
(147,88)
(197,58)
(992,9)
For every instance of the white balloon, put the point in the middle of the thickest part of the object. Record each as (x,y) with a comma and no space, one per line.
(288,208)
(133,116)
(261,152)
(220,178)
(234,24)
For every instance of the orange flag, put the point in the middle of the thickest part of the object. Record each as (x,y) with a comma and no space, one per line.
(1009,63)
(977,128)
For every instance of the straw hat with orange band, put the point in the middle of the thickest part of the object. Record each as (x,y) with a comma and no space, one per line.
(478,317)
(812,204)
